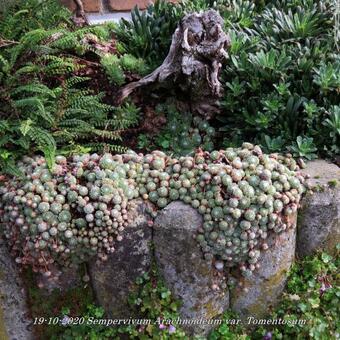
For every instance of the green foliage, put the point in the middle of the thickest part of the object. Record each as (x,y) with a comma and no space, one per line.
(115,66)
(113,69)
(85,330)
(132,64)
(242,12)
(182,135)
(148,35)
(46,100)
(151,301)
(272,144)
(229,332)
(327,76)
(20,17)
(303,148)
(198,5)
(312,294)
(282,79)
(332,125)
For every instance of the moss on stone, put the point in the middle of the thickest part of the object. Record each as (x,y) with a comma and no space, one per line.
(3,332)
(51,304)
(333,183)
(259,308)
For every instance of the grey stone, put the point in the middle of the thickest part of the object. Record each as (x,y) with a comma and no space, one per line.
(263,289)
(180,261)
(319,215)
(65,280)
(98,19)
(15,314)
(114,279)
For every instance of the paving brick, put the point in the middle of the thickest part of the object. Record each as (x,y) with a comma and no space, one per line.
(126,5)
(89,5)
(92,5)
(113,5)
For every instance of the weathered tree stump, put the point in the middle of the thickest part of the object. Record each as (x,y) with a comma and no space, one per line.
(193,64)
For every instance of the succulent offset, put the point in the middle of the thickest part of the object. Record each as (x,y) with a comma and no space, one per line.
(81,208)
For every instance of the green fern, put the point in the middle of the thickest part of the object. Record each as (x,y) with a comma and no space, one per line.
(46,103)
(113,69)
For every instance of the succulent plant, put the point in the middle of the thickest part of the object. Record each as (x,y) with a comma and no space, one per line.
(182,135)
(82,207)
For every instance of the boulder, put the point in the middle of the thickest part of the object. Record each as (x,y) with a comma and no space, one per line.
(319,215)
(191,278)
(114,279)
(263,289)
(15,322)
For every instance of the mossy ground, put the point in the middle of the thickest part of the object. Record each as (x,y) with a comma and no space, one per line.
(49,305)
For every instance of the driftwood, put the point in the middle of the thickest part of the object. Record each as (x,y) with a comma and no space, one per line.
(79,17)
(193,63)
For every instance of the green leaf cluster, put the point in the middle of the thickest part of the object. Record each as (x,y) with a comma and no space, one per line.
(148,35)
(115,67)
(182,135)
(151,300)
(312,294)
(47,101)
(282,80)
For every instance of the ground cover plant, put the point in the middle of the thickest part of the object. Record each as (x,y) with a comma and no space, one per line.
(282,80)
(289,104)
(312,294)
(62,129)
(81,208)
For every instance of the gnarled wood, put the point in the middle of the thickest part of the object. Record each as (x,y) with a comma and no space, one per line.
(79,17)
(193,63)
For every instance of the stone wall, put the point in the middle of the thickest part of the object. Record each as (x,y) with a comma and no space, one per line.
(203,286)
(95,6)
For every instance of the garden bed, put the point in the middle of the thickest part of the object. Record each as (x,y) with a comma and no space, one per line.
(171,149)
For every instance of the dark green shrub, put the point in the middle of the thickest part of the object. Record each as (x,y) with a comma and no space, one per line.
(282,79)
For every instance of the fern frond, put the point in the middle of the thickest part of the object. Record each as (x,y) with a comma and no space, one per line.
(9,167)
(114,123)
(4,125)
(37,88)
(112,135)
(104,147)
(55,65)
(42,138)
(37,106)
